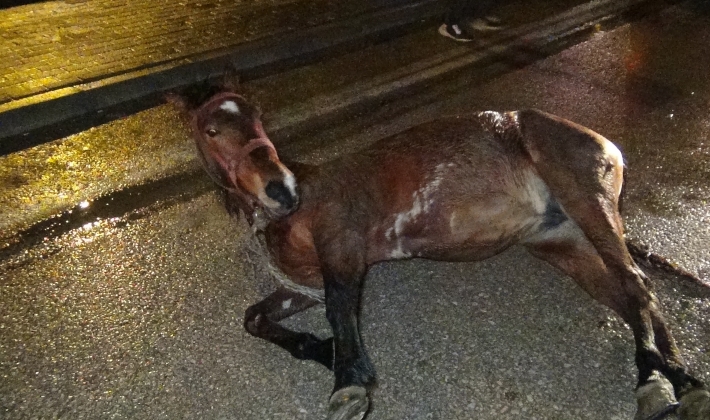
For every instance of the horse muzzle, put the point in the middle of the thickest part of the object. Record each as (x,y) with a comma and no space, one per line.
(284,195)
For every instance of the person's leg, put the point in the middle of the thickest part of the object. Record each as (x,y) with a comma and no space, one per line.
(459,12)
(480,8)
(483,18)
(458,9)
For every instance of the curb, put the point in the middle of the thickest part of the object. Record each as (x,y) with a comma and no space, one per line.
(52,115)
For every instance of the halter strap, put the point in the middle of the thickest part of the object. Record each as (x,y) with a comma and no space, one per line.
(251,146)
(248,203)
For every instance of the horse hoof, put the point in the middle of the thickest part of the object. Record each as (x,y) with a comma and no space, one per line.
(655,398)
(695,405)
(350,403)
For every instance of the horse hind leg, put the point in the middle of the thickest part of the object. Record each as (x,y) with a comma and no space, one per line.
(261,320)
(584,173)
(621,286)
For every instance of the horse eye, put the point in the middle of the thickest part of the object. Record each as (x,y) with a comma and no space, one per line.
(212,132)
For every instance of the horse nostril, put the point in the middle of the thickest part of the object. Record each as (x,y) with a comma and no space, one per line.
(277,191)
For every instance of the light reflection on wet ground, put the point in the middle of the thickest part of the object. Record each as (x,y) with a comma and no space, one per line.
(42,181)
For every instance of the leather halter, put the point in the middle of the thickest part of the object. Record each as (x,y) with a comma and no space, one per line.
(249,204)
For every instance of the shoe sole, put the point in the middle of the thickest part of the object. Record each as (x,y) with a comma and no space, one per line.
(444,32)
(483,27)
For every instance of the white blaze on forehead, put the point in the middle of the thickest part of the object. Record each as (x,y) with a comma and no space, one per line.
(230,106)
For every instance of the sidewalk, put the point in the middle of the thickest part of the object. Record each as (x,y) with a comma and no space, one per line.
(68,60)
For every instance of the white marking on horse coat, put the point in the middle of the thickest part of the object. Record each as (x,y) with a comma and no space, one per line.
(433,186)
(230,106)
(398,252)
(406,216)
(286,304)
(290,182)
(421,203)
(613,154)
(422,199)
(389,232)
(537,192)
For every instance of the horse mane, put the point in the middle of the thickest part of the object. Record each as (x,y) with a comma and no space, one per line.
(193,96)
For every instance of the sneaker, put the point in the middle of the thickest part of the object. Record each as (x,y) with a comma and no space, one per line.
(488,23)
(454,32)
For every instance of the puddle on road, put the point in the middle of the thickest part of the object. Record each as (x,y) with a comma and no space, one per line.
(110,211)
(39,182)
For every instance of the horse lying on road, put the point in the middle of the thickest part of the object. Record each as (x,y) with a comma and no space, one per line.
(462,188)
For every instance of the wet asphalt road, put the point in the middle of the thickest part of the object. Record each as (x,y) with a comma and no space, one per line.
(140,316)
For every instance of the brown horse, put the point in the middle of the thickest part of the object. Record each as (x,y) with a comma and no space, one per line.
(455,189)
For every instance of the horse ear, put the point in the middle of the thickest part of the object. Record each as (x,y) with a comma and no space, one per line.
(231,80)
(176,100)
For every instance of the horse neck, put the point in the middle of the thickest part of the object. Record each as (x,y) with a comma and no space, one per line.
(308,177)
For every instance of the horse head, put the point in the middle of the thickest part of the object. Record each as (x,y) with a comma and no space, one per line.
(238,155)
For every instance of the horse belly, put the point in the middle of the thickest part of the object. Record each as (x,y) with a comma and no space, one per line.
(463,224)
(483,229)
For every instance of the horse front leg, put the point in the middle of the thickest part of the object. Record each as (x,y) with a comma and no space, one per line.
(261,320)
(351,365)
(343,273)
